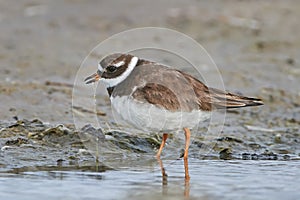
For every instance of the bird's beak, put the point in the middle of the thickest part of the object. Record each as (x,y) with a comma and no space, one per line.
(92,78)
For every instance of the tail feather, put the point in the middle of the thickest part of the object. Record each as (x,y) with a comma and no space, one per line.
(223,100)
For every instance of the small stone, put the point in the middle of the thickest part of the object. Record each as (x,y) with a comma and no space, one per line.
(286,157)
(277,138)
(290,61)
(225,154)
(246,156)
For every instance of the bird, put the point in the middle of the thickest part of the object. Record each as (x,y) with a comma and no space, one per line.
(159,98)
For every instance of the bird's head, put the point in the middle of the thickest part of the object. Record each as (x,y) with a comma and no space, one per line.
(113,69)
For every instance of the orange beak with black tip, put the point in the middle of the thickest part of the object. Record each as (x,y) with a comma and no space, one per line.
(92,78)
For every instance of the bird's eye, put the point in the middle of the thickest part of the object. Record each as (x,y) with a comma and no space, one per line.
(111,69)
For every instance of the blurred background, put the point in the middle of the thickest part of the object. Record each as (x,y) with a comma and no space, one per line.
(254,44)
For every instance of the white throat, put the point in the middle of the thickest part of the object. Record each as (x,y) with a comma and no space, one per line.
(112,82)
(100,68)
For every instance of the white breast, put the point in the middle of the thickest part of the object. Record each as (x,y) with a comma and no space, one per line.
(151,118)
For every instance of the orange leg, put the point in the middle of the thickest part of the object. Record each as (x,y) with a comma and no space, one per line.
(187,134)
(163,142)
(163,171)
(187,188)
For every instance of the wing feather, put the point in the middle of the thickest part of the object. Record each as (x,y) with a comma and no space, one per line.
(211,98)
(181,91)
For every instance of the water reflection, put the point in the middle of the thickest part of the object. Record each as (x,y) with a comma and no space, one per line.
(164,181)
(209,180)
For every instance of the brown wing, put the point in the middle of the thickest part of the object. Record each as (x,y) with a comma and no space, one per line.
(177,91)
(163,87)
(210,98)
(158,95)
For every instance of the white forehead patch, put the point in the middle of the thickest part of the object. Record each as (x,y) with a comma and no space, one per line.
(100,68)
(112,82)
(119,64)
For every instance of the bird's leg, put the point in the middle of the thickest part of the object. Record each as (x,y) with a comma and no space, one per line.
(187,188)
(163,142)
(163,172)
(187,134)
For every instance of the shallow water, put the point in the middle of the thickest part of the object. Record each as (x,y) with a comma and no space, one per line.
(209,180)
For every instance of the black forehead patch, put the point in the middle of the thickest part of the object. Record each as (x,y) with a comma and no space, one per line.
(109,59)
(126,58)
